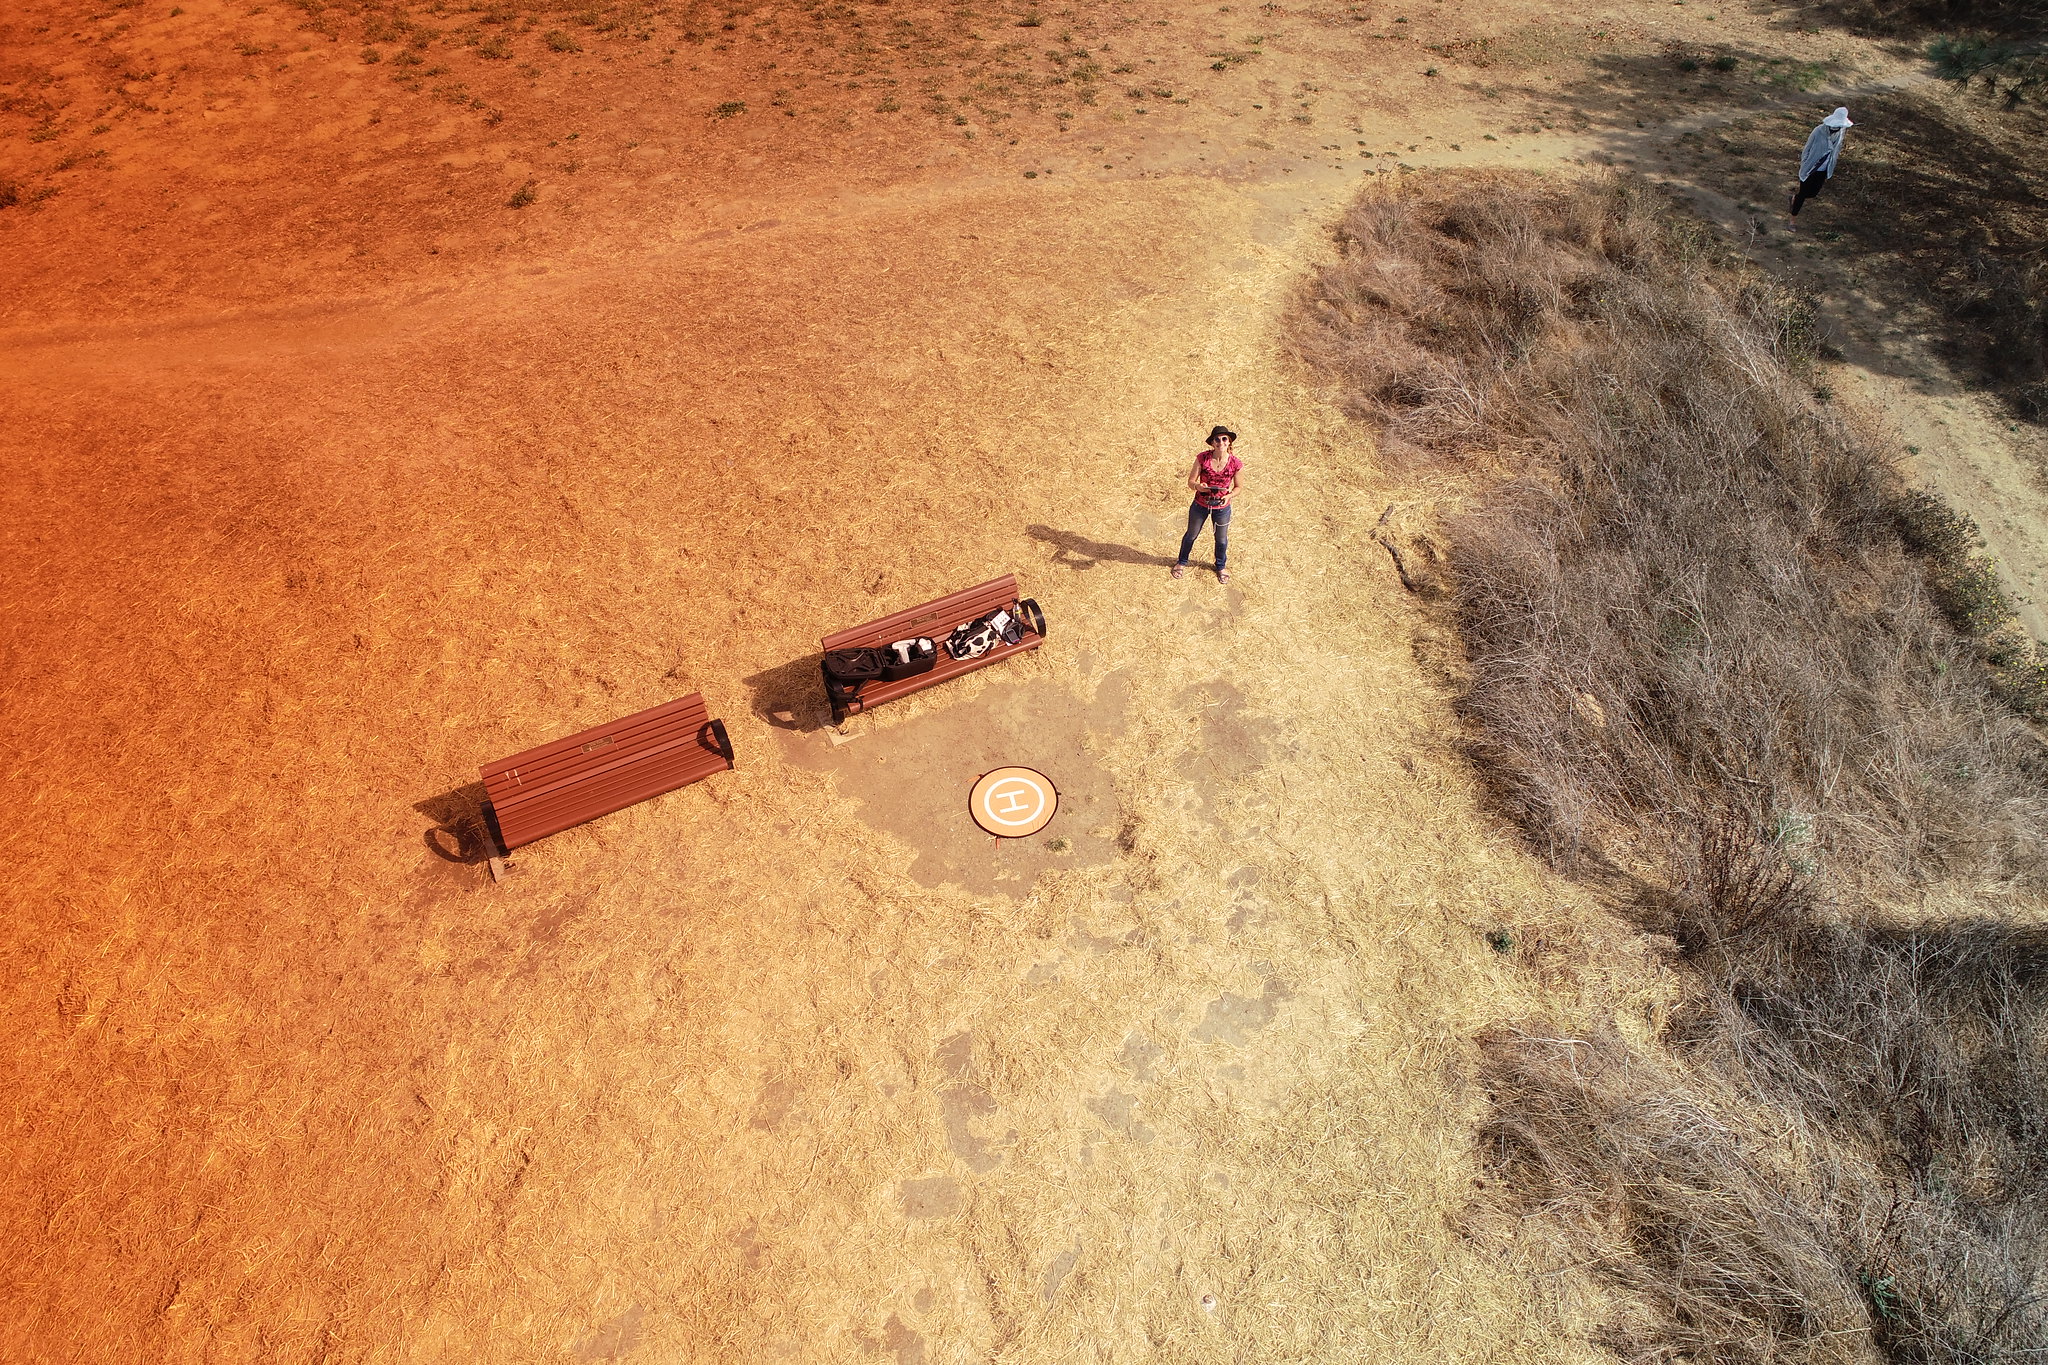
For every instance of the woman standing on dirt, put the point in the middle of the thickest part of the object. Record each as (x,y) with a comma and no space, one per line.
(1214,479)
(1817,162)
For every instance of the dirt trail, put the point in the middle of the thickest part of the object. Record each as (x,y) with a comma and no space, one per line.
(767,1068)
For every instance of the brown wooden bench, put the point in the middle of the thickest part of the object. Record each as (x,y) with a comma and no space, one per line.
(936,620)
(606,768)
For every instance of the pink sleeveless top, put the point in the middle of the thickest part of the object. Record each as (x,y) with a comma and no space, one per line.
(1223,476)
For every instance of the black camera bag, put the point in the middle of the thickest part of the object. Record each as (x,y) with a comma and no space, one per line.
(908,658)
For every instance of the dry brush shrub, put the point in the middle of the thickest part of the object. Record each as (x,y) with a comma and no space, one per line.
(1841,1153)
(1839,1156)
(1648,1172)
(1689,599)
(1706,671)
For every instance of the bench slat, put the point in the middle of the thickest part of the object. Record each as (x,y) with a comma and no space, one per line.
(936,619)
(622,727)
(585,755)
(875,693)
(520,824)
(606,768)
(685,750)
(538,820)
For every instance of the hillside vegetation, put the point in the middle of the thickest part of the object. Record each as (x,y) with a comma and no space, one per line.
(1715,670)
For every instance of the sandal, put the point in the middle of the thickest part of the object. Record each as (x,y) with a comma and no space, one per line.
(1180,570)
(1223,575)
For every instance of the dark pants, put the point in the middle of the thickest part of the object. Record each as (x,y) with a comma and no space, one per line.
(1809,187)
(1220,517)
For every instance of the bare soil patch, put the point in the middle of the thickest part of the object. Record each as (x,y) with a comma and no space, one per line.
(912,780)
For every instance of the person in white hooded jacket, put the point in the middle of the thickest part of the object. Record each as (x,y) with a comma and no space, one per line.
(1817,162)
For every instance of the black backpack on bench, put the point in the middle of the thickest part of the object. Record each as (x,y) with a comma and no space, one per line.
(847,670)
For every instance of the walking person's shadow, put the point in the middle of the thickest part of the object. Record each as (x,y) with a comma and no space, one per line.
(1078,552)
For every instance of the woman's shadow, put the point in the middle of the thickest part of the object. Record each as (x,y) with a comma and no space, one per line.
(1078,552)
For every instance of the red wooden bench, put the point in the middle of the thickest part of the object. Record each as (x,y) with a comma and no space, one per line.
(936,620)
(606,768)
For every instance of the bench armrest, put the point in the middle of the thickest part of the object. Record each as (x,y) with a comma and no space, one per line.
(1033,617)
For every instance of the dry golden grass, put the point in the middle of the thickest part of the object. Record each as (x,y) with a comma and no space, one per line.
(290,1087)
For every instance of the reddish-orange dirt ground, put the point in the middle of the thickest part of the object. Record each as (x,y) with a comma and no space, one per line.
(392,388)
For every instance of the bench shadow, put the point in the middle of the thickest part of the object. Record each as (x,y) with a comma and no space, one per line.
(791,696)
(1078,552)
(465,830)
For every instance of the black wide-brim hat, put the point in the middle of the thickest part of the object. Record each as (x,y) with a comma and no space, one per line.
(1217,433)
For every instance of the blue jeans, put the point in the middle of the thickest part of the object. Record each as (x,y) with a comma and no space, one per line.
(1220,517)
